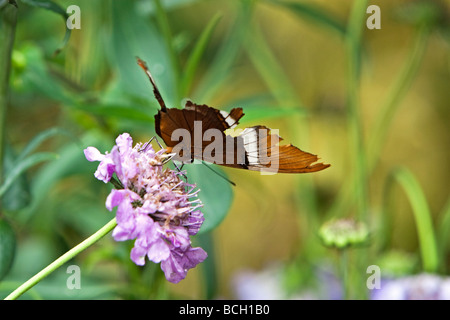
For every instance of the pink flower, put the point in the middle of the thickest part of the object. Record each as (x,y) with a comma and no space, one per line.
(155,207)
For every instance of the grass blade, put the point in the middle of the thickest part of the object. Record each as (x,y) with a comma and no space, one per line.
(196,54)
(443,232)
(119,111)
(219,70)
(314,14)
(422,215)
(269,68)
(164,26)
(56,8)
(37,140)
(24,165)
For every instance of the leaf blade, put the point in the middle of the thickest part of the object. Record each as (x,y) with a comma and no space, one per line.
(198,51)
(24,165)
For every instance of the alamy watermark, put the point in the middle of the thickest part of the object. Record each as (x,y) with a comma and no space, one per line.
(374,20)
(374,280)
(74,19)
(74,279)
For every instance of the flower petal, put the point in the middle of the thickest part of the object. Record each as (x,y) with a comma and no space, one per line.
(125,143)
(138,255)
(92,154)
(158,251)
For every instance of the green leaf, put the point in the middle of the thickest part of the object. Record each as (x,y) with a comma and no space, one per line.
(255,113)
(196,54)
(140,38)
(269,68)
(7,247)
(39,79)
(215,192)
(166,32)
(314,14)
(118,111)
(71,161)
(422,215)
(443,235)
(18,195)
(24,165)
(56,8)
(219,70)
(260,106)
(41,137)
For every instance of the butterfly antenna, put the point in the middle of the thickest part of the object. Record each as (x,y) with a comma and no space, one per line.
(156,92)
(179,169)
(222,176)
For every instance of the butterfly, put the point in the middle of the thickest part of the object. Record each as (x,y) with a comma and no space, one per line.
(255,148)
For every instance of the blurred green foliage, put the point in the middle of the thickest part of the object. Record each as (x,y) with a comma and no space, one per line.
(363,100)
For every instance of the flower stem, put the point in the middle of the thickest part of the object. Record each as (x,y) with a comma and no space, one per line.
(61,260)
(353,44)
(343,253)
(422,216)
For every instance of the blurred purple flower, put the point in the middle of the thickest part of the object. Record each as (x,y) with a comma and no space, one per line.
(269,284)
(155,206)
(418,287)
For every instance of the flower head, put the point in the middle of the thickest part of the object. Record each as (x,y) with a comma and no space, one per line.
(155,206)
(341,233)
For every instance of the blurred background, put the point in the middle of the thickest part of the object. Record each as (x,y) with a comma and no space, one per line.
(373,103)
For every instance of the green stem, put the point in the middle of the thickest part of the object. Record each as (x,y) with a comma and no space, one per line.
(422,216)
(344,273)
(443,236)
(8,19)
(353,42)
(61,260)
(194,59)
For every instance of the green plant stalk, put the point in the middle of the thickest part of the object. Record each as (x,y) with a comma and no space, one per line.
(315,14)
(196,55)
(219,70)
(422,216)
(8,19)
(353,44)
(61,260)
(344,265)
(443,238)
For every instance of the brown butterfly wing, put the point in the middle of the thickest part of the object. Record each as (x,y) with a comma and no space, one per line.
(171,119)
(213,118)
(264,153)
